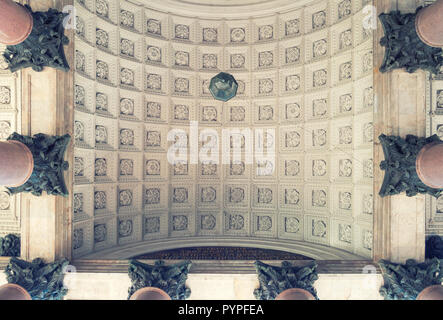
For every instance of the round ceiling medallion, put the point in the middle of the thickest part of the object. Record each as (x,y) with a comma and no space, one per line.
(223,87)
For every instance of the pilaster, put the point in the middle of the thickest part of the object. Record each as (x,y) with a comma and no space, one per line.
(399,221)
(47,107)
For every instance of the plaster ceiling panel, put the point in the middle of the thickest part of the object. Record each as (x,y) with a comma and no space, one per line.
(309,93)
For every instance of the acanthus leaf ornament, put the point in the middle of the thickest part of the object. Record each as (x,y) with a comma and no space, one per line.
(405,282)
(49,164)
(43,47)
(274,280)
(404,48)
(171,278)
(10,246)
(43,281)
(400,166)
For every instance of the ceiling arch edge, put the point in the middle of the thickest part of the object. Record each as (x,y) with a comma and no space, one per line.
(311,250)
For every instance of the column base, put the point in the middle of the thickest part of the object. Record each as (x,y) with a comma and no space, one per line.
(431,293)
(430,165)
(12,291)
(295,294)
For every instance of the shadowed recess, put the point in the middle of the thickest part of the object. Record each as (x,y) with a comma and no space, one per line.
(222,253)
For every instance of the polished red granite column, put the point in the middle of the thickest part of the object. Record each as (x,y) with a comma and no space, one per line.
(295,294)
(15,22)
(150,293)
(16,163)
(430,165)
(431,293)
(429,24)
(13,291)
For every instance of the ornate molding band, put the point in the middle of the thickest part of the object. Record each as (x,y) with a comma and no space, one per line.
(405,282)
(42,281)
(274,280)
(171,279)
(10,246)
(404,48)
(43,47)
(49,164)
(401,174)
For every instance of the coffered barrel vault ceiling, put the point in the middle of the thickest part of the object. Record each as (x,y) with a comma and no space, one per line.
(305,73)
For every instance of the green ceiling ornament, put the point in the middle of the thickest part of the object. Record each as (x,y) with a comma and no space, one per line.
(400,166)
(405,282)
(10,246)
(49,164)
(171,279)
(434,247)
(404,48)
(274,280)
(223,87)
(43,281)
(43,47)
